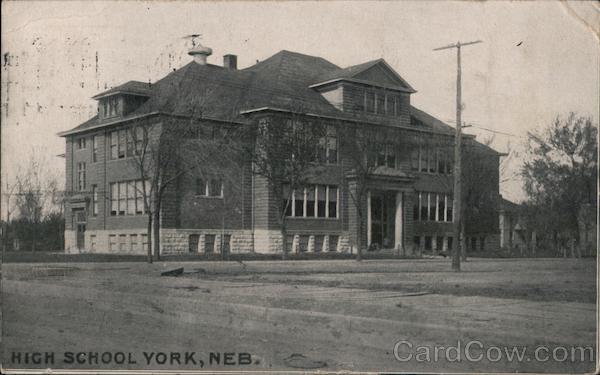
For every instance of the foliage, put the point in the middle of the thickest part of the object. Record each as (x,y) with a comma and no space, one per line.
(561,173)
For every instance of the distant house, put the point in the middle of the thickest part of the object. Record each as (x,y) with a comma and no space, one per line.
(515,236)
(409,203)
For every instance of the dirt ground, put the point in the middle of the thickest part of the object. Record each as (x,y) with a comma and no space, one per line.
(327,315)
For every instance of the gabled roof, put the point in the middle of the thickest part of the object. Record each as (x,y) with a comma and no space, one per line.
(131,88)
(353,74)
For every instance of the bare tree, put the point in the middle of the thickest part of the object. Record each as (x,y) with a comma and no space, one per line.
(283,150)
(34,194)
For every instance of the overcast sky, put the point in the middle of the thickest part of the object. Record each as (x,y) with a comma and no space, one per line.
(538,59)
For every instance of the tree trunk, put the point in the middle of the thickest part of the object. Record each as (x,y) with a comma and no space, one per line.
(149,237)
(156,231)
(359,239)
(463,243)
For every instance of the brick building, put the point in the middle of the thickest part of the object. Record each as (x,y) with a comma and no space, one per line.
(409,198)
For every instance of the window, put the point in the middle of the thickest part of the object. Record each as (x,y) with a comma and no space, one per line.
(332,198)
(139,197)
(133,241)
(131,198)
(439,243)
(209,243)
(303,243)
(127,198)
(114,145)
(482,243)
(313,201)
(112,240)
(423,159)
(441,159)
(122,198)
(111,106)
(387,156)
(299,203)
(144,241)
(81,176)
(201,187)
(122,143)
(130,141)
(215,187)
(449,208)
(390,104)
(94,200)
(333,243)
(428,243)
(122,242)
(81,143)
(432,207)
(450,243)
(114,199)
(423,206)
(381,104)
(431,160)
(370,101)
(141,138)
(95,140)
(431,202)
(414,159)
(321,200)
(332,145)
(310,202)
(327,149)
(397,99)
(209,187)
(318,245)
(441,209)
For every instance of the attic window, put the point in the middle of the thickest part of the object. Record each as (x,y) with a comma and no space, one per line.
(110,106)
(370,101)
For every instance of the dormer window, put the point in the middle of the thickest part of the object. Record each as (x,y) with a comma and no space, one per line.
(110,106)
(381,104)
(370,101)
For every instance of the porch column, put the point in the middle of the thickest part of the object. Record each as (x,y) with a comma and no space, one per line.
(368,218)
(399,243)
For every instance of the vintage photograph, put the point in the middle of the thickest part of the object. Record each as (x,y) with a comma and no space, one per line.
(281,186)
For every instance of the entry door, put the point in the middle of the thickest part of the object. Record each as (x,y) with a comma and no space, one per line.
(383,208)
(81,236)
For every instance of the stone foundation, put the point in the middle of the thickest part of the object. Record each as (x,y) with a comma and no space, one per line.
(184,241)
(180,241)
(71,242)
(268,241)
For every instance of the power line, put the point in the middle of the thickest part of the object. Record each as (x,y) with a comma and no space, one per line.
(494,131)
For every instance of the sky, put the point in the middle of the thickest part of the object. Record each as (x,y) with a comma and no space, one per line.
(538,60)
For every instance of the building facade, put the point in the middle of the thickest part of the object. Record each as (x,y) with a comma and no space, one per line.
(407,205)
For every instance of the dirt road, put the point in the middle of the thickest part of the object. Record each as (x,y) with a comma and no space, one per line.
(327,315)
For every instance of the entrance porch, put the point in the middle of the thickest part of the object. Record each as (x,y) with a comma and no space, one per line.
(385,220)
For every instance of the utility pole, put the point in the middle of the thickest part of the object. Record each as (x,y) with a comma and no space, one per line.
(457,219)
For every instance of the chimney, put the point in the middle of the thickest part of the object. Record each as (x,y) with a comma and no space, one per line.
(230,62)
(200,53)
